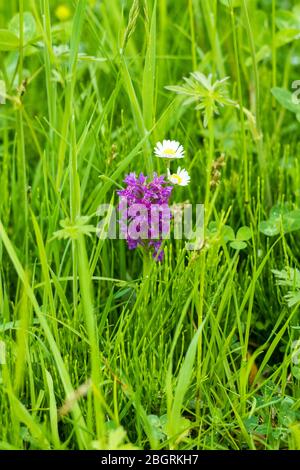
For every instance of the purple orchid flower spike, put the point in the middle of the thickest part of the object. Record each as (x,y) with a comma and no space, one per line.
(144,212)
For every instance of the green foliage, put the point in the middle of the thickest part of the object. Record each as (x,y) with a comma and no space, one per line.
(281,219)
(29,26)
(74,230)
(100,348)
(8,40)
(290,278)
(210,95)
(238,241)
(285,98)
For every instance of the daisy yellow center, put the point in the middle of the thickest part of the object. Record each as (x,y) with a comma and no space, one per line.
(169,152)
(177,179)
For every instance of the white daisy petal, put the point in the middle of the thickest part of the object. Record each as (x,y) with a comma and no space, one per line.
(180,178)
(169,149)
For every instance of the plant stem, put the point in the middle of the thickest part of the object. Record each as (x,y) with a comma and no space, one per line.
(242,118)
(260,145)
(147,264)
(209,163)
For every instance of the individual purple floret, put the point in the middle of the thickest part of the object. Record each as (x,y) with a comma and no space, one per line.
(144,212)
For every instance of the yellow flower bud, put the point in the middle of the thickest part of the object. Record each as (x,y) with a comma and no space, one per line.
(63,12)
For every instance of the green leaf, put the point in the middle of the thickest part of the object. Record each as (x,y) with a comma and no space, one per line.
(291,221)
(289,277)
(61,368)
(296,372)
(182,429)
(251,423)
(212,228)
(52,409)
(269,228)
(244,234)
(287,413)
(185,374)
(210,95)
(285,36)
(8,40)
(228,233)
(148,85)
(278,211)
(292,298)
(231,3)
(287,20)
(29,26)
(238,245)
(263,54)
(74,229)
(157,424)
(35,432)
(285,98)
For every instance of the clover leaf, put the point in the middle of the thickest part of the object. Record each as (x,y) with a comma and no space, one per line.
(238,241)
(281,218)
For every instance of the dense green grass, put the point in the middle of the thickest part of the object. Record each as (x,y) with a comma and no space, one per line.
(101,351)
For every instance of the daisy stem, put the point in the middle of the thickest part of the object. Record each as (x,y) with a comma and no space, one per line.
(210,158)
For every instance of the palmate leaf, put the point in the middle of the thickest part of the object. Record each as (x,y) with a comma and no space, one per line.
(285,98)
(292,298)
(236,241)
(29,26)
(72,230)
(290,278)
(280,219)
(8,40)
(209,96)
(238,245)
(244,234)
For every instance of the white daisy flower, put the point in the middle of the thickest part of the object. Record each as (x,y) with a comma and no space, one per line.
(169,149)
(181,177)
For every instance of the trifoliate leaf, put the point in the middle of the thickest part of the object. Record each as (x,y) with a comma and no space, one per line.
(244,234)
(29,26)
(8,40)
(238,245)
